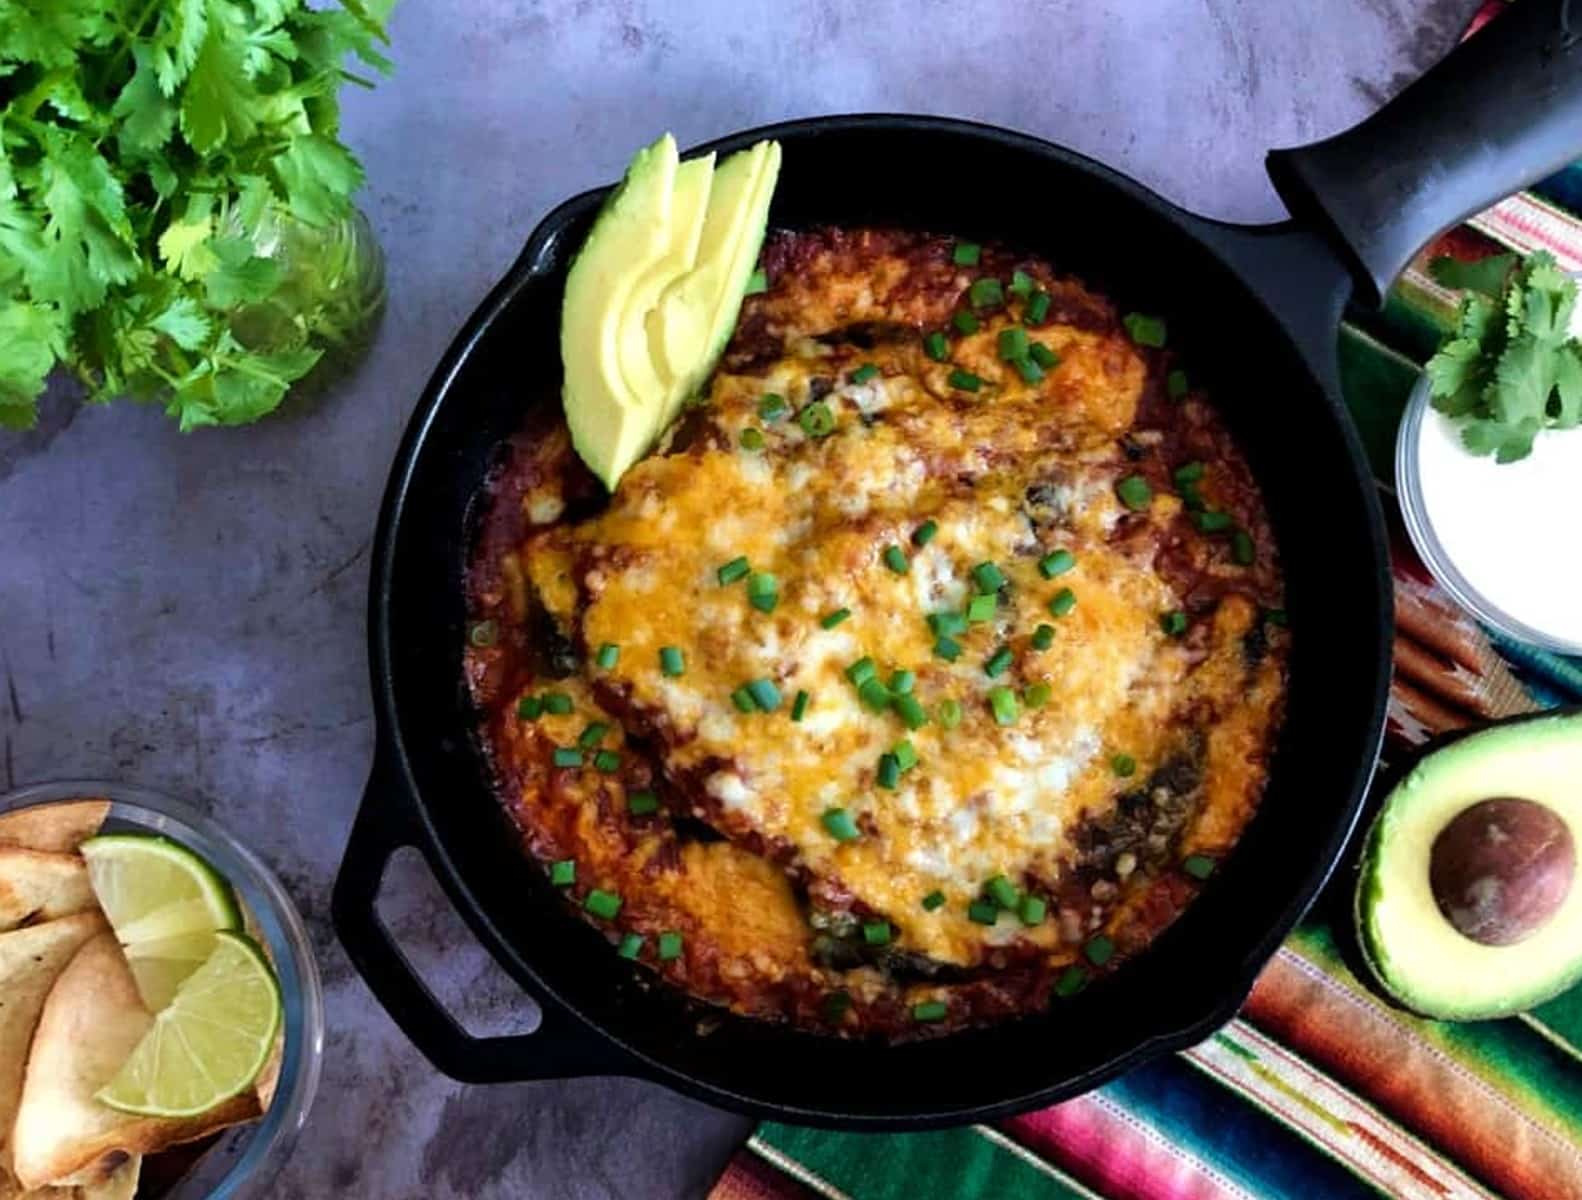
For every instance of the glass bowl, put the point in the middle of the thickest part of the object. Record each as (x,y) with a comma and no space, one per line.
(244,1161)
(1419,526)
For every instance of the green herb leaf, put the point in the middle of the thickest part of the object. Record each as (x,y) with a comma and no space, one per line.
(1487,275)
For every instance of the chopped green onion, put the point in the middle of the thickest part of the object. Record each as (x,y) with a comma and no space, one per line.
(671,661)
(771,406)
(765,695)
(1057,563)
(1199,866)
(1099,950)
(757,282)
(1189,473)
(567,756)
(528,708)
(933,900)
(984,912)
(895,558)
(640,804)
(889,773)
(1191,497)
(563,873)
(752,439)
(1123,765)
(981,609)
(1003,892)
(1013,343)
(930,1010)
(1021,284)
(669,945)
(799,705)
(964,380)
(1276,616)
(1065,600)
(743,700)
(831,619)
(911,711)
(864,373)
(1072,980)
(989,578)
(1242,551)
(862,670)
(593,735)
(1003,702)
(1144,330)
(1134,492)
(902,681)
(986,293)
(1036,695)
(876,933)
(609,654)
(1176,384)
(965,323)
(966,254)
(1174,623)
(924,533)
(763,591)
(730,572)
(1043,356)
(1043,637)
(557,702)
(840,825)
(631,945)
(602,904)
(1212,522)
(949,713)
(998,662)
(947,623)
(874,694)
(484,634)
(816,420)
(1037,310)
(836,1005)
(608,761)
(936,346)
(905,754)
(1033,910)
(1030,371)
(947,648)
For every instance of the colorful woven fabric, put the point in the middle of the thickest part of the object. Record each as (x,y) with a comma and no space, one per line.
(1318,1089)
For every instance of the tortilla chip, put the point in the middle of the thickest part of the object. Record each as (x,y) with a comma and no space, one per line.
(40,886)
(92,1020)
(56,828)
(30,961)
(121,1184)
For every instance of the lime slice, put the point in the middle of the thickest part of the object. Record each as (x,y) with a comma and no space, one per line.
(210,1042)
(165,905)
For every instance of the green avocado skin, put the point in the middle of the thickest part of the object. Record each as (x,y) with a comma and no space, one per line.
(1506,751)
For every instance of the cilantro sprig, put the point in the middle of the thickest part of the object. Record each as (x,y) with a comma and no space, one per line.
(146,147)
(1511,369)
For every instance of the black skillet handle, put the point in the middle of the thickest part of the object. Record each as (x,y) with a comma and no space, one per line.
(562,1046)
(1502,110)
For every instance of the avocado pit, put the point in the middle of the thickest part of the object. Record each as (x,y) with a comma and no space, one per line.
(1501,869)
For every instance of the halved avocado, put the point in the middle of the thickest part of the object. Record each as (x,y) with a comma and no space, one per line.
(1468,905)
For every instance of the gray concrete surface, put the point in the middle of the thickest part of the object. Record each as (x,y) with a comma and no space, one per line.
(187,612)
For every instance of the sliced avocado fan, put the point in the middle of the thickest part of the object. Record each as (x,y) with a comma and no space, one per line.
(654,293)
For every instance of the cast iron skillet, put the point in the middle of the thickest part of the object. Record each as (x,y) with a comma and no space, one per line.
(1255,311)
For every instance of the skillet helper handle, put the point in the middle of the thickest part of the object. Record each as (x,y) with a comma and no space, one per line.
(1502,110)
(562,1046)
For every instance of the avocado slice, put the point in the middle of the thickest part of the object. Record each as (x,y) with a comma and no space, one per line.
(1468,905)
(694,319)
(611,425)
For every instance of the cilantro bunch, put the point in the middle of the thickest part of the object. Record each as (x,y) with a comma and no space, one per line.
(1511,368)
(144,146)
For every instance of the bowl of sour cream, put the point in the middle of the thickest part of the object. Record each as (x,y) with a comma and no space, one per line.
(1500,538)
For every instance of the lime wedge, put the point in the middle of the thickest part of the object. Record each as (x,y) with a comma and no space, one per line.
(165,905)
(210,1042)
